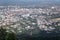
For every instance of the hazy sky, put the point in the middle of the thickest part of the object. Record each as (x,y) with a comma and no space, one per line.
(5,2)
(29,0)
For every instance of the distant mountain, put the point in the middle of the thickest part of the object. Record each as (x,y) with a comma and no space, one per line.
(29,2)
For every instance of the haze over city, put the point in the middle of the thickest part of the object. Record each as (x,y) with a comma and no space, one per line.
(29,2)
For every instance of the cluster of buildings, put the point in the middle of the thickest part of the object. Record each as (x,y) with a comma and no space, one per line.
(17,19)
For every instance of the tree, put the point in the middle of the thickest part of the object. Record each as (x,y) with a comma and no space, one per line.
(7,35)
(2,33)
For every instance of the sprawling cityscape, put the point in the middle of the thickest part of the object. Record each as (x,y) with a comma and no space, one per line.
(32,22)
(19,20)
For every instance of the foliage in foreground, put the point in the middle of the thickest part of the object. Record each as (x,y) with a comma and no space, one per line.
(6,35)
(11,36)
